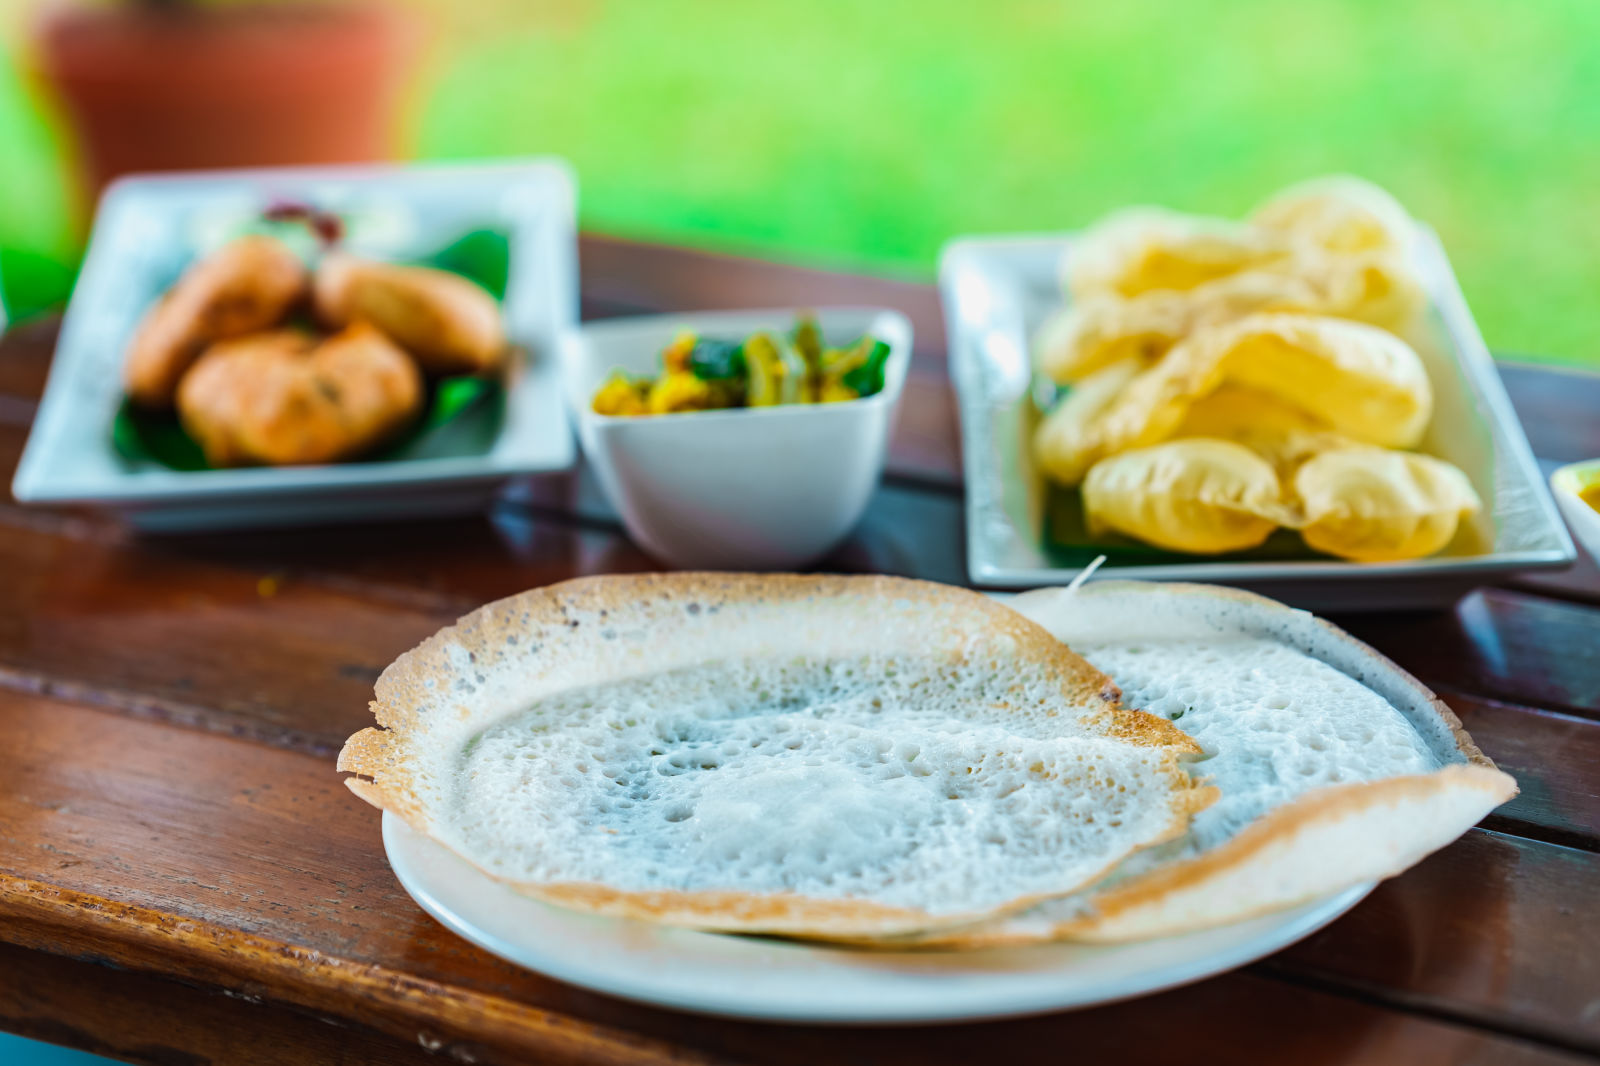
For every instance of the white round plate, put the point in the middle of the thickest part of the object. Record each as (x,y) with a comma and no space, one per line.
(779,980)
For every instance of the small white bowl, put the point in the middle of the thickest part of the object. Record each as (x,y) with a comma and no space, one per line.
(1566,482)
(748,488)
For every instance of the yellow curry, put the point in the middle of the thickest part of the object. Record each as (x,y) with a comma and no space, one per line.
(1590,494)
(765,369)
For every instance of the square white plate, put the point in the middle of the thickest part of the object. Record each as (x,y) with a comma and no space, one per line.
(149,228)
(998,290)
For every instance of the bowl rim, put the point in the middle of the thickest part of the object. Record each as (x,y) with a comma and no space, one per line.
(1561,476)
(1567,482)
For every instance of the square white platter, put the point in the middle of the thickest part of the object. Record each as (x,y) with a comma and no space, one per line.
(149,228)
(998,290)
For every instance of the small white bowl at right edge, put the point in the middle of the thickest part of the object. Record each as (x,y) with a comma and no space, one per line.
(745,488)
(1567,483)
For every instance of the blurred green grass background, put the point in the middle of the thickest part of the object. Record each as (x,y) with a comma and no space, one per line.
(865,134)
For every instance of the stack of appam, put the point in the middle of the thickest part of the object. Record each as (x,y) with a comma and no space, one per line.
(901,764)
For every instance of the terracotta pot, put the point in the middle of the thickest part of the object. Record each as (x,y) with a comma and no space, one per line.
(173,87)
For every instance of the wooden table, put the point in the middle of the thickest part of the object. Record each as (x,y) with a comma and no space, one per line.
(183,879)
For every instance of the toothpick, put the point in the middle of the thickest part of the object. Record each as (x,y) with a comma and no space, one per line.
(1085,574)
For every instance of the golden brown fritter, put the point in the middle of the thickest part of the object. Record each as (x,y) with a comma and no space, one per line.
(245,286)
(449,324)
(282,398)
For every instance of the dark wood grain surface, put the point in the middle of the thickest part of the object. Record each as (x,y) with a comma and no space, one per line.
(183,878)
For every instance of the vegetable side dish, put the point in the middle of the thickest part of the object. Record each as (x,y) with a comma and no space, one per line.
(763,370)
(269,362)
(1225,379)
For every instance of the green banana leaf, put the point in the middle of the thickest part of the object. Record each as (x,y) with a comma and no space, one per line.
(1070,544)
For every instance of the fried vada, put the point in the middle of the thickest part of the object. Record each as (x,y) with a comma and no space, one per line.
(449,324)
(247,285)
(283,398)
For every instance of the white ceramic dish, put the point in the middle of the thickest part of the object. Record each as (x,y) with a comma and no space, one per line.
(149,228)
(777,980)
(1566,482)
(755,489)
(997,291)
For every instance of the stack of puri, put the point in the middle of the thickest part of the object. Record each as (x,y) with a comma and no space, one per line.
(251,387)
(1229,378)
